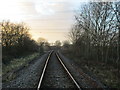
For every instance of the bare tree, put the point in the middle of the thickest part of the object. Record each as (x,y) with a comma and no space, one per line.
(117,13)
(16,39)
(41,42)
(66,44)
(57,44)
(95,30)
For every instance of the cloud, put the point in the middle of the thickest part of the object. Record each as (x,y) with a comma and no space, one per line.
(44,7)
(42,16)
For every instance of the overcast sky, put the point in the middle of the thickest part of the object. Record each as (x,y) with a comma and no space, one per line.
(50,19)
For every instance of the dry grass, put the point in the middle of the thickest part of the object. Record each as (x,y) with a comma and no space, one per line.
(107,74)
(16,63)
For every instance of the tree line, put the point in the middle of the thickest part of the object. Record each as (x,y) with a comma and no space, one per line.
(96,32)
(16,40)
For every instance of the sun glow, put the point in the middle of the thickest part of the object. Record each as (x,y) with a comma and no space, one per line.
(51,17)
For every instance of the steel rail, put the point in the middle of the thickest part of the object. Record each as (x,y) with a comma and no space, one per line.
(43,72)
(68,72)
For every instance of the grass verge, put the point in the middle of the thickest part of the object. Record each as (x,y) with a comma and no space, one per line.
(107,74)
(15,64)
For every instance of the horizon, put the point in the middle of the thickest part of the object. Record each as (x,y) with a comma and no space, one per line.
(51,19)
(48,19)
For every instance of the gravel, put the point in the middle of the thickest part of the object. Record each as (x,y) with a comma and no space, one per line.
(56,76)
(84,80)
(29,76)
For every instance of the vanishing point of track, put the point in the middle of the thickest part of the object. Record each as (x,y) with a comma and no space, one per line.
(63,65)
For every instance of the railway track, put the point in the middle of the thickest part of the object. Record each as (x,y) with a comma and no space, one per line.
(57,60)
